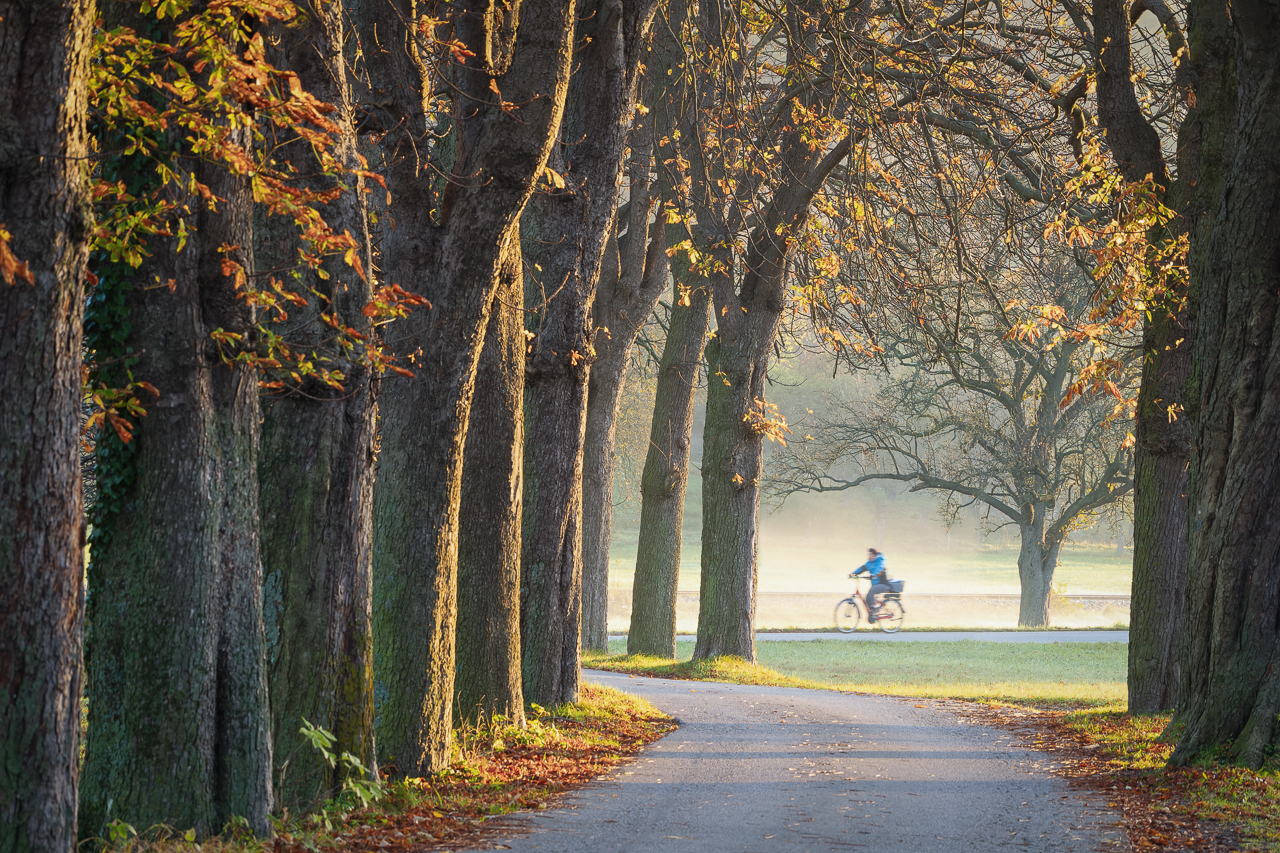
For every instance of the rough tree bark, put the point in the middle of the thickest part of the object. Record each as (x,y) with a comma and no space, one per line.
(666,477)
(1160,518)
(572,228)
(316,466)
(1231,655)
(450,250)
(178,726)
(487,681)
(44,53)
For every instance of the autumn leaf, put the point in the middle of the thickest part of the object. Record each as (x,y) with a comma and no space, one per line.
(10,267)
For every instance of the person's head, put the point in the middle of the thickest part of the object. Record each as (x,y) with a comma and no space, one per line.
(873,553)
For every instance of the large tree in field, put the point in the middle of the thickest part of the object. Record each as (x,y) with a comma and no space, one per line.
(1231,652)
(315,470)
(45,51)
(569,228)
(969,410)
(506,71)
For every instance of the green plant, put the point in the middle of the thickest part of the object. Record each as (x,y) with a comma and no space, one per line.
(358,782)
(119,833)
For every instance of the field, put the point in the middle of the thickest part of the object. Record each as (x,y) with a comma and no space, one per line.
(812,543)
(1091,674)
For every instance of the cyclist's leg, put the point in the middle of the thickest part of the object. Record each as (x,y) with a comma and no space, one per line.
(872,593)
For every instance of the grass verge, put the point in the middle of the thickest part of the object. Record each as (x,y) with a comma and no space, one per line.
(1079,674)
(1198,807)
(500,769)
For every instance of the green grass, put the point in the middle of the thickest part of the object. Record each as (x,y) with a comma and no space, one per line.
(1080,674)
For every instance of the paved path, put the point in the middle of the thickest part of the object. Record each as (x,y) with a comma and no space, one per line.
(946,636)
(778,769)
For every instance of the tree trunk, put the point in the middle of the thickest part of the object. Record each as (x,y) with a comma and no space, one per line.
(732,462)
(625,303)
(456,263)
(1160,520)
(1163,444)
(625,299)
(316,469)
(1037,561)
(44,51)
(573,227)
(1231,663)
(178,725)
(604,391)
(666,478)
(737,421)
(487,671)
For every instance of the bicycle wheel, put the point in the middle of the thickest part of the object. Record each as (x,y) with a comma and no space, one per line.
(891,615)
(847,615)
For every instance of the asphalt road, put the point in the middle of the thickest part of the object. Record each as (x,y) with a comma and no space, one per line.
(759,769)
(943,636)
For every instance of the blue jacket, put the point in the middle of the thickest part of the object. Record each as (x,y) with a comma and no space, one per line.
(874,567)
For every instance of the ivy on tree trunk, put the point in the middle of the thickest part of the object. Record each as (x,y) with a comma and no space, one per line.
(178,725)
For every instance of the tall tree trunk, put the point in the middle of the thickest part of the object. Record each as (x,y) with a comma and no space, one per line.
(44,52)
(178,726)
(573,227)
(604,391)
(629,289)
(1163,442)
(1160,519)
(487,672)
(625,303)
(666,478)
(1231,664)
(316,467)
(732,462)
(736,423)
(1037,561)
(455,262)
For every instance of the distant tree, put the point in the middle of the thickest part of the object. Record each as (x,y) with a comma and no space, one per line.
(759,212)
(665,478)
(968,408)
(43,248)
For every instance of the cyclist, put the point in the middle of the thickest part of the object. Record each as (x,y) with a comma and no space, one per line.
(875,567)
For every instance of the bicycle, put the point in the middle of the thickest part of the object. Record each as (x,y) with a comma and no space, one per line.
(889,619)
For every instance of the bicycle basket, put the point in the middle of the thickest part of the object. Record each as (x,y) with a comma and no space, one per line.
(897,586)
